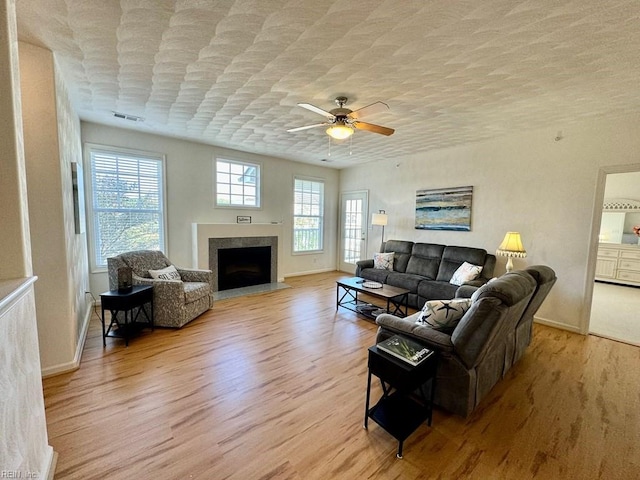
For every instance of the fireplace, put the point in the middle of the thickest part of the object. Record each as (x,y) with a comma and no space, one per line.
(243,261)
(243,267)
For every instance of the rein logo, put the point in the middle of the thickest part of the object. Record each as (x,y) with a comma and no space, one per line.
(18,474)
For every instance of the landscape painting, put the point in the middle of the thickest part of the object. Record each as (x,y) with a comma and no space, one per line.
(444,209)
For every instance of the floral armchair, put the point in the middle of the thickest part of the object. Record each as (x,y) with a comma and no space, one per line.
(175,302)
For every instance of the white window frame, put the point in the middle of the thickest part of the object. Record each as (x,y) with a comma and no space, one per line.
(220,185)
(89,150)
(320,216)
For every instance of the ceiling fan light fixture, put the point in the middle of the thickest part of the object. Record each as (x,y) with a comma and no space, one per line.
(339,131)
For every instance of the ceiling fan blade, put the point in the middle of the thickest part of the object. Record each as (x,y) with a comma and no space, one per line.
(315,109)
(370,127)
(297,129)
(376,107)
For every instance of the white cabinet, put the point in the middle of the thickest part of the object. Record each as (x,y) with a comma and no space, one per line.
(618,264)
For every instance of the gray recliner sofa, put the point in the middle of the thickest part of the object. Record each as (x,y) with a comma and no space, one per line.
(489,339)
(425,269)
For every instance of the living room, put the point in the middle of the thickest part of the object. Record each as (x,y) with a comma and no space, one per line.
(546,182)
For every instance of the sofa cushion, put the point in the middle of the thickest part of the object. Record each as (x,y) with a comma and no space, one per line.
(404,280)
(402,251)
(168,273)
(383,261)
(465,273)
(375,274)
(431,337)
(453,257)
(434,290)
(425,260)
(443,314)
(194,291)
(510,288)
(141,261)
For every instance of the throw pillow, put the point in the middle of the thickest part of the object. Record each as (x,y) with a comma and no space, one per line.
(443,314)
(465,273)
(383,261)
(169,273)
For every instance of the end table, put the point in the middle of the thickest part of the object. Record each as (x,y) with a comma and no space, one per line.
(398,411)
(126,301)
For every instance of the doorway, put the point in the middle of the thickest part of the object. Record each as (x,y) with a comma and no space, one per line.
(354,207)
(616,294)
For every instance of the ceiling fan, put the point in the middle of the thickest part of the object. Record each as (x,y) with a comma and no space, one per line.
(342,121)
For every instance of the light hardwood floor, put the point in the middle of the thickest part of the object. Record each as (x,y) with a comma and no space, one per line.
(273,386)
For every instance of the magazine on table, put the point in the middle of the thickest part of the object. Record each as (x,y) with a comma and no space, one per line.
(405,349)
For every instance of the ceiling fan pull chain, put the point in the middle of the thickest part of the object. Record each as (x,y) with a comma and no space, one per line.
(329,154)
(350,144)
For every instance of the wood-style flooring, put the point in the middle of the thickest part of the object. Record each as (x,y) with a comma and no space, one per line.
(272,386)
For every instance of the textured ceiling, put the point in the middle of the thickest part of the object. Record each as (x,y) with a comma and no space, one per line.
(230,73)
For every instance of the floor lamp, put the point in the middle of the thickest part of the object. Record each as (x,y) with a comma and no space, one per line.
(380,219)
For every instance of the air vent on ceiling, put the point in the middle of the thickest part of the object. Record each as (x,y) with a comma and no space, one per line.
(126,116)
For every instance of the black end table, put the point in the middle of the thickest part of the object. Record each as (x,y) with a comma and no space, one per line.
(404,406)
(127,301)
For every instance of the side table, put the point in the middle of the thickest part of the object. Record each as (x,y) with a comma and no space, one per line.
(399,411)
(133,299)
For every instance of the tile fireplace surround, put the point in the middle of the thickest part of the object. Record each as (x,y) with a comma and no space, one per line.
(202,233)
(216,244)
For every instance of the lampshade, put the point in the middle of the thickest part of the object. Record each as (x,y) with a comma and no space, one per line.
(511,246)
(339,131)
(379,218)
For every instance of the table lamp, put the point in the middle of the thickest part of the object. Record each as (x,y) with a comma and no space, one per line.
(511,247)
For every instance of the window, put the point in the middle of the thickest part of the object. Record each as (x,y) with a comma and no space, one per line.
(127,194)
(308,215)
(237,184)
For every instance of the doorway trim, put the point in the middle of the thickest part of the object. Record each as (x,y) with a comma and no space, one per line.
(365,230)
(596,219)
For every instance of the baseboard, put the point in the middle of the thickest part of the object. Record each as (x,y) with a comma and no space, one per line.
(75,364)
(49,468)
(554,324)
(311,272)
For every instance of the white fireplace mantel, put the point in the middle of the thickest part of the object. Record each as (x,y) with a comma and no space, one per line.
(202,232)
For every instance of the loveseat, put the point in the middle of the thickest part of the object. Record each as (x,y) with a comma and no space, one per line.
(176,301)
(487,341)
(425,269)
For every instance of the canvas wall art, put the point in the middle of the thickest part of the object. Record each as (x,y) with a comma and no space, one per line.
(444,209)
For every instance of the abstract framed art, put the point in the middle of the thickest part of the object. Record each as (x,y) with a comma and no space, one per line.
(444,209)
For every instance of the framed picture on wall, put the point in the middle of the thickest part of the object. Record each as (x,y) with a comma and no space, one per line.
(444,209)
(243,219)
(78,197)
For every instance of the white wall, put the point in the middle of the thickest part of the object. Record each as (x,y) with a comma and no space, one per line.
(623,185)
(15,249)
(52,143)
(24,447)
(545,189)
(190,196)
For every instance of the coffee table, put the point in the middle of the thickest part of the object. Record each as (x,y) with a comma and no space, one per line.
(395,297)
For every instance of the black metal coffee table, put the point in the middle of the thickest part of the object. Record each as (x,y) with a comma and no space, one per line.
(396,298)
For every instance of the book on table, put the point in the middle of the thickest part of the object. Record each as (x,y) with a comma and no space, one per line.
(405,349)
